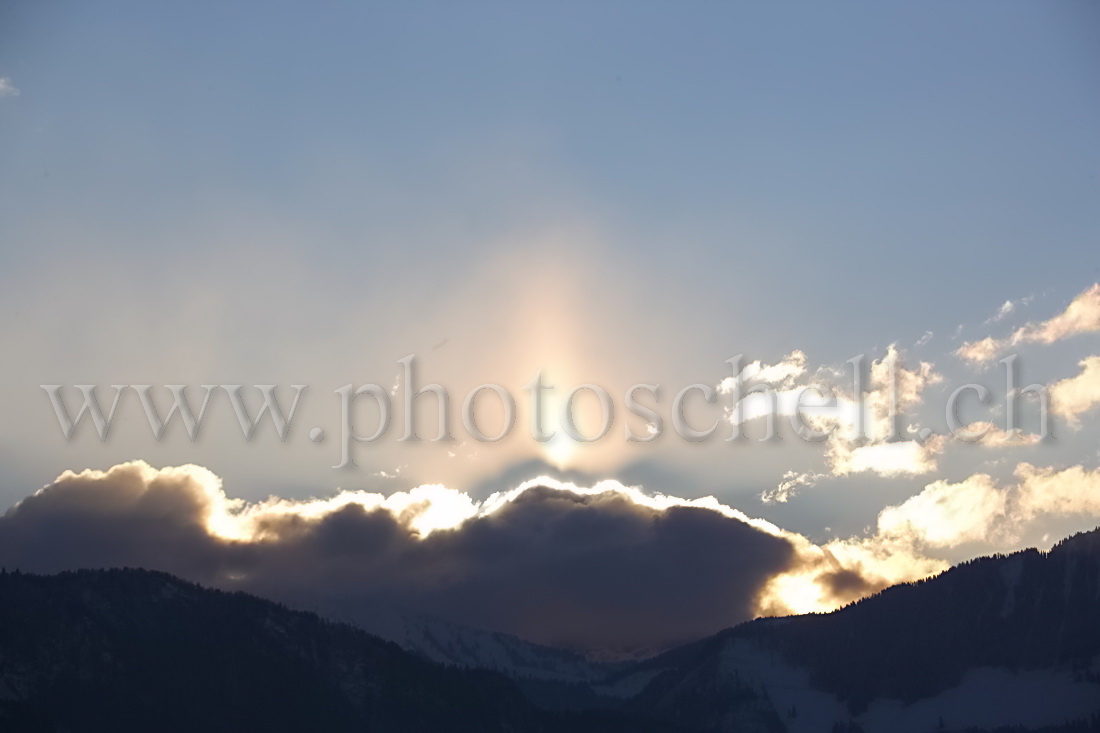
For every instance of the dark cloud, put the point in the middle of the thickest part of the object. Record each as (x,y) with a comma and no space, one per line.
(848,585)
(551,565)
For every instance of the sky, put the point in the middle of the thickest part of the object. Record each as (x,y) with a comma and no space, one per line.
(613,193)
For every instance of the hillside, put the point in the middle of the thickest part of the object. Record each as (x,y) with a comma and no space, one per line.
(133,650)
(1004,640)
(1005,643)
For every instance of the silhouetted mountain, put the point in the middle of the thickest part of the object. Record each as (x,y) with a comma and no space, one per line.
(133,650)
(999,641)
(1004,644)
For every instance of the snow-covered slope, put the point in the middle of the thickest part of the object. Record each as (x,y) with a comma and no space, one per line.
(991,697)
(455,644)
(450,643)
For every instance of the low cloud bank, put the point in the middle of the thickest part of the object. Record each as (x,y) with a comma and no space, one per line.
(599,568)
(589,568)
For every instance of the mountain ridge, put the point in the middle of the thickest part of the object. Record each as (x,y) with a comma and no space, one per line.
(1025,612)
(126,645)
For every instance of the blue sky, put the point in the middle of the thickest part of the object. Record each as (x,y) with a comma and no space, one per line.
(856,139)
(622,192)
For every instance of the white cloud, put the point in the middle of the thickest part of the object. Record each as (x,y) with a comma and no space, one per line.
(976,509)
(1045,491)
(792,482)
(1002,312)
(7,88)
(780,376)
(1081,316)
(891,388)
(901,458)
(1074,396)
(981,351)
(891,385)
(946,514)
(994,437)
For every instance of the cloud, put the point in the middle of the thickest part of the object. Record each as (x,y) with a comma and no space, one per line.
(1004,311)
(1074,396)
(7,88)
(993,437)
(891,388)
(980,351)
(608,566)
(841,571)
(977,509)
(791,484)
(781,376)
(1081,316)
(1046,491)
(946,514)
(902,458)
(602,567)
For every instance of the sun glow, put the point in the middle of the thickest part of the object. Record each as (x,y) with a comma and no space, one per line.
(559,450)
(796,593)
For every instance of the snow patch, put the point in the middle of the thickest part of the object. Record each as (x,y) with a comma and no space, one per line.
(988,697)
(628,686)
(787,686)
